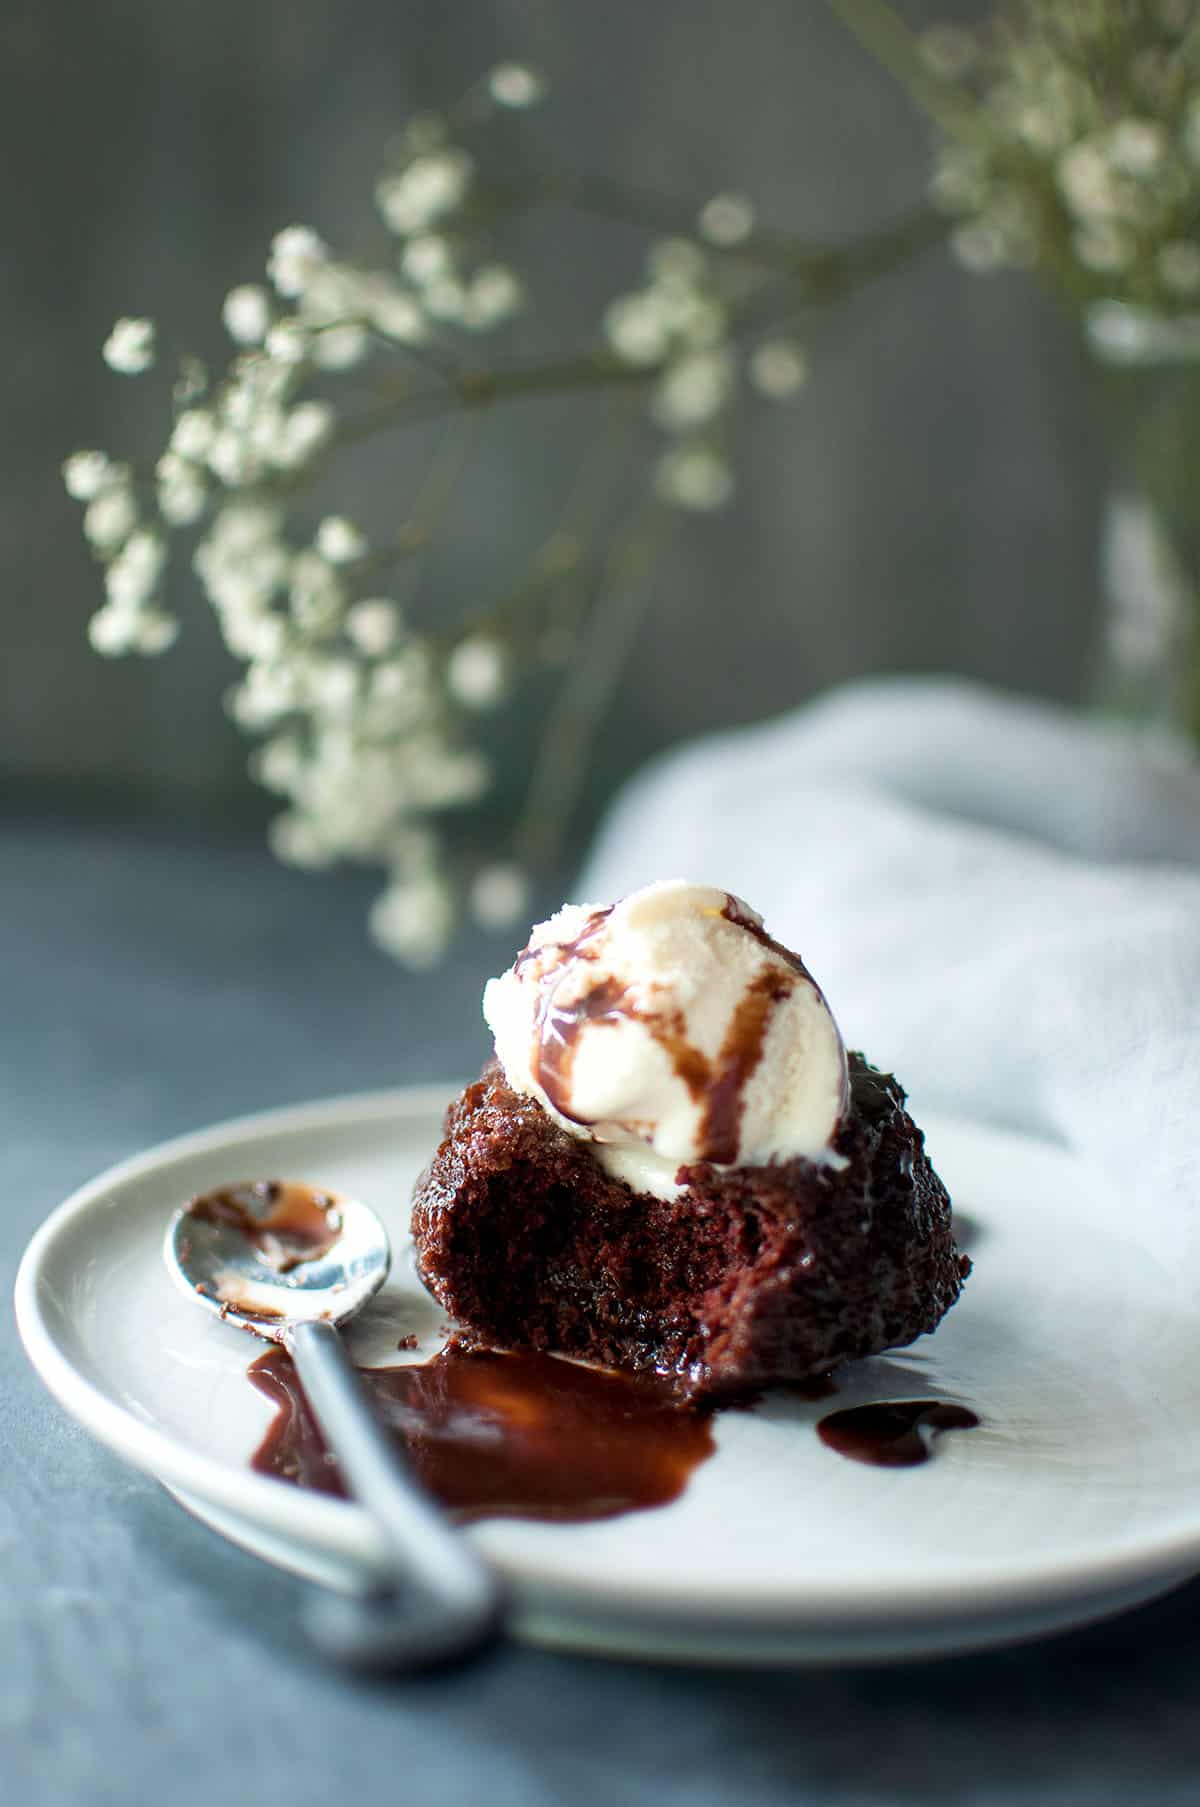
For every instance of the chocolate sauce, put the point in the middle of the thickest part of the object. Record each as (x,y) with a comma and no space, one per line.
(741,1051)
(717,1085)
(898,1434)
(506,1436)
(558,1029)
(577,948)
(288,1223)
(743,917)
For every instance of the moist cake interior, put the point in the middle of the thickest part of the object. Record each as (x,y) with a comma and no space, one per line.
(752,1275)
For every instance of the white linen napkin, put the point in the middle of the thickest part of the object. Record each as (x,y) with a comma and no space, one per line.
(1000,899)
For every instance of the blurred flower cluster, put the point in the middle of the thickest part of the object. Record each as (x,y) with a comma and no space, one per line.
(363,720)
(1069,143)
(1074,149)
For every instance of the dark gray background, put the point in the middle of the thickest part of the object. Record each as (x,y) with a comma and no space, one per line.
(928,504)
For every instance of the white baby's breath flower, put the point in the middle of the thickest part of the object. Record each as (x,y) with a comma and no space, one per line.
(232,460)
(251,631)
(959,183)
(1122,334)
(246,312)
(778,368)
(475,672)
(978,245)
(277,764)
(297,841)
(112,631)
(133,574)
(243,526)
(85,474)
(1100,245)
(340,541)
(297,253)
(193,433)
(693,389)
(499,896)
(494,293)
(1136,147)
(110,518)
(515,85)
(315,594)
(332,685)
(400,694)
(728,219)
(334,293)
(698,320)
(446,298)
(412,919)
(694,477)
(340,347)
(129,347)
(1179,267)
(303,431)
(434,775)
(1085,180)
(287,342)
(267,692)
(430,187)
(637,328)
(372,625)
(155,632)
(426,257)
(398,315)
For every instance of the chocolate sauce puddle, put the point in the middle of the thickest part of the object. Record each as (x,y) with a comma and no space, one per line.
(898,1434)
(506,1436)
(287,1223)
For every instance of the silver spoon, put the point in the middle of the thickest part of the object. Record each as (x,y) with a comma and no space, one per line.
(291,1264)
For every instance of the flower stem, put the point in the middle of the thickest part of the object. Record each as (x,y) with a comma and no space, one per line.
(894,45)
(809,277)
(481,389)
(586,692)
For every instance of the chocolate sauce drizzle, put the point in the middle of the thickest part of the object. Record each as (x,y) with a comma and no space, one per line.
(898,1434)
(718,1085)
(505,1435)
(287,1222)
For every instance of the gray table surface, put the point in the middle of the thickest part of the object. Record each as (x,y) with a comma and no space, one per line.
(155,981)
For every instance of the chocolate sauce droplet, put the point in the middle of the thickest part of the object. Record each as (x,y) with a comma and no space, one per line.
(506,1435)
(898,1434)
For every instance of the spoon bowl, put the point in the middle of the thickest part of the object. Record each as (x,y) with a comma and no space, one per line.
(254,1254)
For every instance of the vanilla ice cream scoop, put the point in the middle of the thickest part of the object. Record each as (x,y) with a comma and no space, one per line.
(670,1028)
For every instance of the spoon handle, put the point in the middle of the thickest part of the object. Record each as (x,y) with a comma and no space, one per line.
(442,1599)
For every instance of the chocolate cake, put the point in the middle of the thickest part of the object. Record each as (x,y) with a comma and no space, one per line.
(673,1164)
(750,1276)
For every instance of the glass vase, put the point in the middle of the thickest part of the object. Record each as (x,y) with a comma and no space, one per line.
(1147,382)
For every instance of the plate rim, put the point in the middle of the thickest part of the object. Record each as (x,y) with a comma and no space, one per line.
(979,1595)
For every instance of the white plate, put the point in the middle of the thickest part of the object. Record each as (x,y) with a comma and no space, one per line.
(1079,1494)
